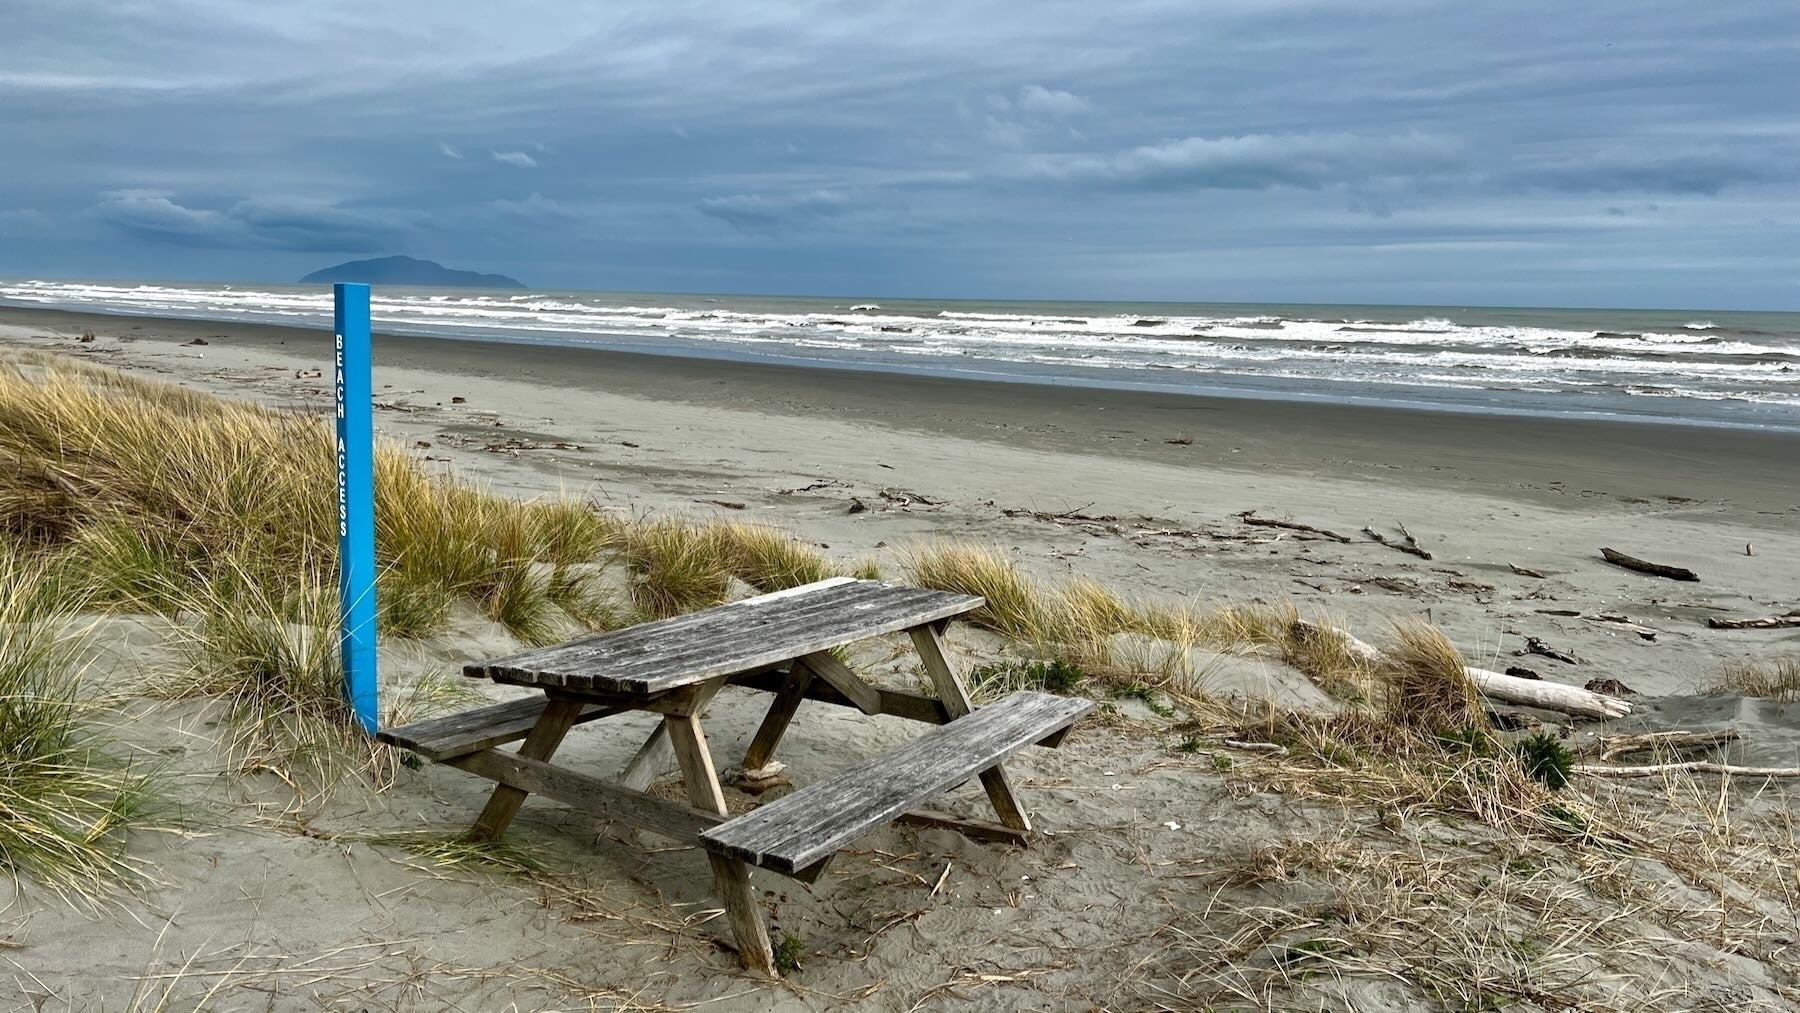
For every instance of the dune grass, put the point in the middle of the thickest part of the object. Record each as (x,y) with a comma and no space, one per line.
(1777,680)
(145,486)
(64,804)
(273,661)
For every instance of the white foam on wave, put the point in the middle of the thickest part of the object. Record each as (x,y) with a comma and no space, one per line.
(1420,352)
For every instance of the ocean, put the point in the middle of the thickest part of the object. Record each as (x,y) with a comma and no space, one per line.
(1714,368)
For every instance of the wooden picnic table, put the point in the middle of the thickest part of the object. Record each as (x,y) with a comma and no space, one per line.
(779,643)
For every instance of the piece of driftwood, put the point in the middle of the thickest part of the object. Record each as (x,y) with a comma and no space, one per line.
(1542,694)
(1611,747)
(1691,766)
(1618,558)
(1249,517)
(1409,545)
(1257,747)
(1535,646)
(1624,623)
(1788,620)
(1526,571)
(797,830)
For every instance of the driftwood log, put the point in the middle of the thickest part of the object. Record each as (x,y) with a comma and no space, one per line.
(1624,623)
(1249,517)
(1612,747)
(1618,558)
(1787,620)
(1542,694)
(1692,766)
(1410,545)
(1535,646)
(1526,571)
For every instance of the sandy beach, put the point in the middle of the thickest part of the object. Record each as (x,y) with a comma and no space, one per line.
(1142,492)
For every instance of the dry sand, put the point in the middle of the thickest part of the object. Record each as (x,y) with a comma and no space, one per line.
(1139,491)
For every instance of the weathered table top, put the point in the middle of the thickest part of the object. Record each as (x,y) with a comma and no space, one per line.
(742,636)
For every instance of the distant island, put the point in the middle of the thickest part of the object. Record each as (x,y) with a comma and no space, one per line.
(407,271)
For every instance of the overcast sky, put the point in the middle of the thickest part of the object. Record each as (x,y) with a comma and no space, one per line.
(1642,153)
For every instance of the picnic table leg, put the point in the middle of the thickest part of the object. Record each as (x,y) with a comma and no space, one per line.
(730,877)
(775,723)
(542,741)
(653,757)
(955,697)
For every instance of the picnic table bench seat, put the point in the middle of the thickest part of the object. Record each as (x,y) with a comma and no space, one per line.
(445,738)
(809,825)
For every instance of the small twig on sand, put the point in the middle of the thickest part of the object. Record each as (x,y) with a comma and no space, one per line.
(1692,767)
(942,876)
(1409,545)
(1525,572)
(1249,517)
(1612,747)
(1781,622)
(1618,558)
(1271,748)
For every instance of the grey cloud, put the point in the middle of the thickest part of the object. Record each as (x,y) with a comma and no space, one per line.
(1253,162)
(1703,173)
(765,213)
(267,224)
(518,158)
(1040,101)
(534,206)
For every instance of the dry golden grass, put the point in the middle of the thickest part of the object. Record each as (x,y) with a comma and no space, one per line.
(1777,680)
(676,567)
(770,559)
(1017,605)
(1426,686)
(1681,897)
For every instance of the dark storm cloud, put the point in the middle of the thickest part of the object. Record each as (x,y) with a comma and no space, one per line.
(1140,148)
(246,225)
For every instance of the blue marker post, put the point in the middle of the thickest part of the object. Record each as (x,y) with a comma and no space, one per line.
(356,501)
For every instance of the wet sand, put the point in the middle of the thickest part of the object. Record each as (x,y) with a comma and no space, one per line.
(1548,460)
